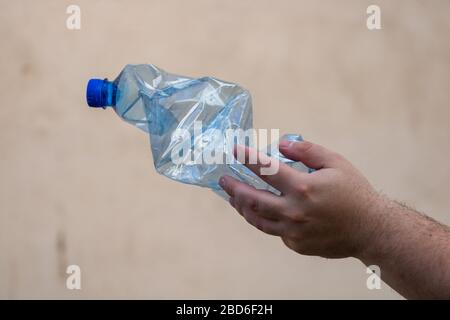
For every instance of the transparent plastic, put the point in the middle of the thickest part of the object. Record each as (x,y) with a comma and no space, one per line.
(164,104)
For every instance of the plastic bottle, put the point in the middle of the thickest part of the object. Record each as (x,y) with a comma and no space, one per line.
(183,115)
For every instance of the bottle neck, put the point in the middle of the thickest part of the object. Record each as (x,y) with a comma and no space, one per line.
(111,94)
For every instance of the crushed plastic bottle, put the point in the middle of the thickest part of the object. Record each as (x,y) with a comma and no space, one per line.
(170,108)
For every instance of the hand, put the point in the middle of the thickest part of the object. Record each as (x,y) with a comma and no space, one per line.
(325,213)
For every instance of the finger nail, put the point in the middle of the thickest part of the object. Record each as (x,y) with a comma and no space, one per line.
(222,182)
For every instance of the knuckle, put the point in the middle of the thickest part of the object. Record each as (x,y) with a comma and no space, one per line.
(247,200)
(259,226)
(253,204)
(264,227)
(336,156)
(297,245)
(290,243)
(302,189)
(297,216)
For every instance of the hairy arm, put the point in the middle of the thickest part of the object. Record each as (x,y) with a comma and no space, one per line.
(412,251)
(334,212)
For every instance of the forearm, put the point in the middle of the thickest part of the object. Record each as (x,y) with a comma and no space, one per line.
(412,251)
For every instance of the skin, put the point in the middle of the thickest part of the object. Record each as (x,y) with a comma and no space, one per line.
(334,212)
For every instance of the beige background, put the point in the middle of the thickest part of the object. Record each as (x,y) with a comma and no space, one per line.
(77,186)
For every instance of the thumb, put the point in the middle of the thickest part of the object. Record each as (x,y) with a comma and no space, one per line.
(310,154)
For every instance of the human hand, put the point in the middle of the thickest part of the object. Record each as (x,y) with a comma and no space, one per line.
(326,213)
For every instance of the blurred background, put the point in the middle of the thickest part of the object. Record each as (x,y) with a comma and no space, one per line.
(77,185)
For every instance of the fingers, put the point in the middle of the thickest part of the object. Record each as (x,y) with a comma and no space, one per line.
(310,154)
(272,171)
(260,208)
(274,228)
(244,196)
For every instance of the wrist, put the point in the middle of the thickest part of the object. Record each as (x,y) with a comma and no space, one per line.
(374,229)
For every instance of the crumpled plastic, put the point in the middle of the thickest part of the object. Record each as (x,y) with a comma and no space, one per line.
(188,115)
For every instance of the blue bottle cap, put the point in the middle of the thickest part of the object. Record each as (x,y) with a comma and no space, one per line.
(97,93)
